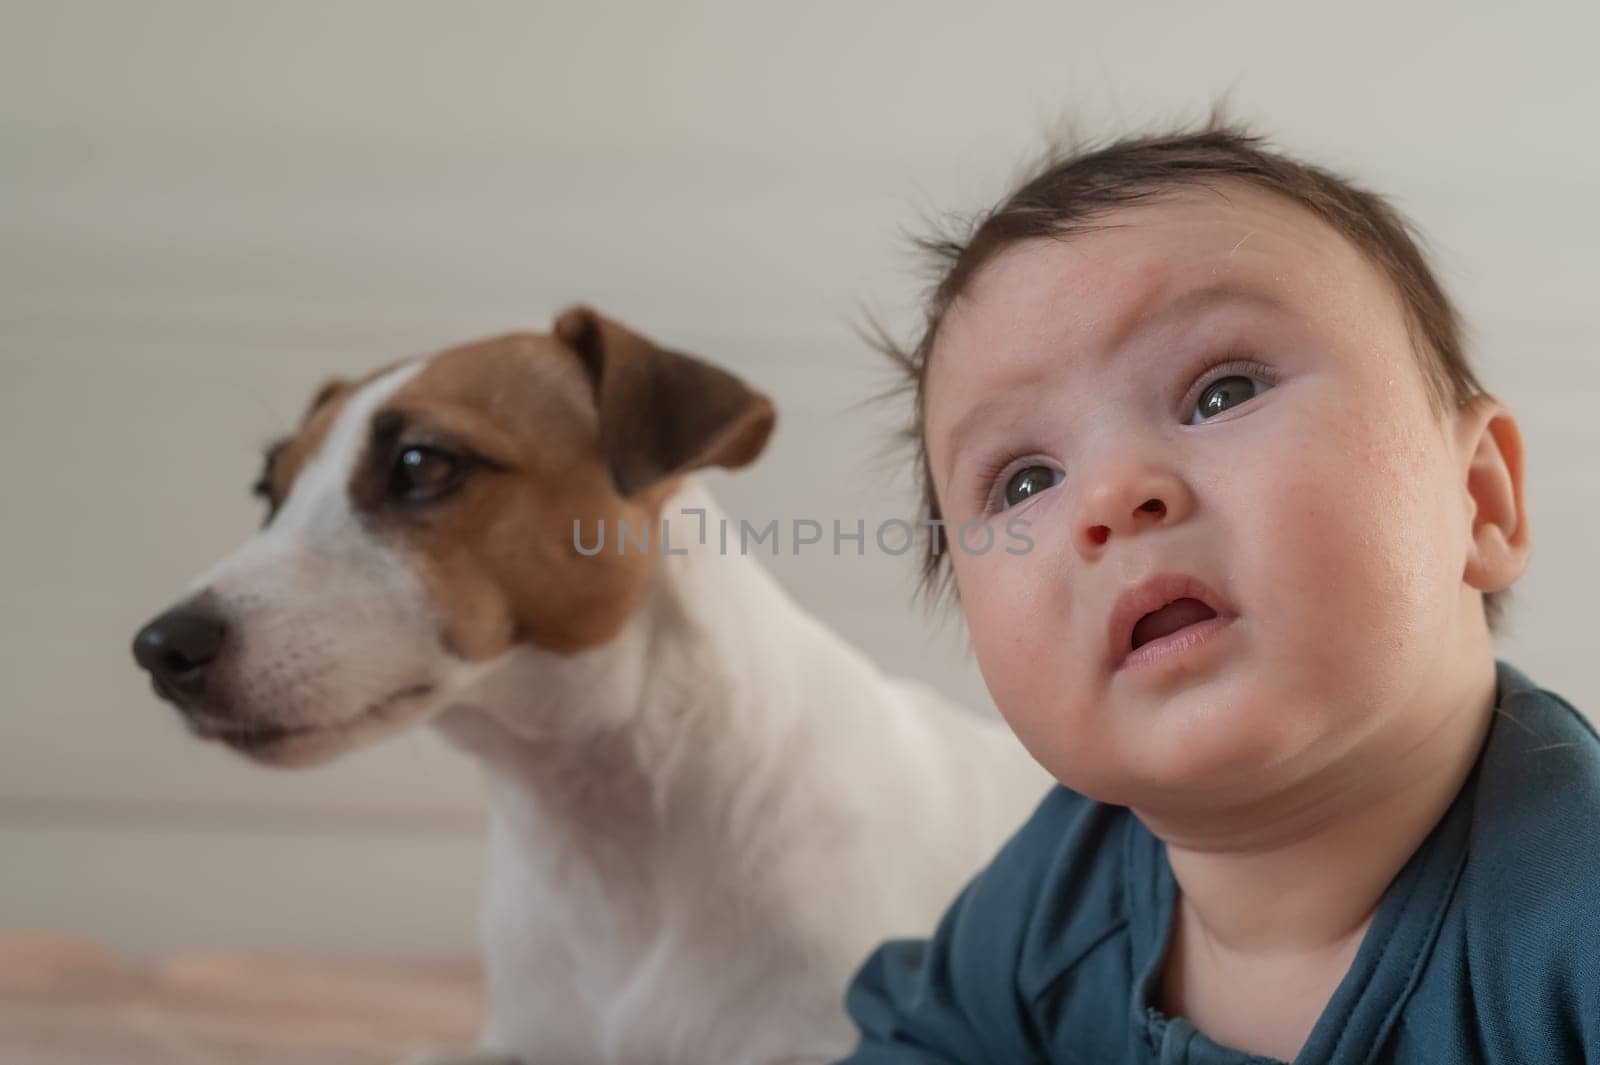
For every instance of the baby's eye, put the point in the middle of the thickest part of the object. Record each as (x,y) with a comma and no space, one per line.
(1226,393)
(1028,482)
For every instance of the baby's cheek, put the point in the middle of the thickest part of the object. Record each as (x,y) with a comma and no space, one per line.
(1018,617)
(1340,571)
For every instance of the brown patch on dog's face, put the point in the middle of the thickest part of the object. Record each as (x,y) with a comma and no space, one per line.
(286,457)
(427,518)
(477,468)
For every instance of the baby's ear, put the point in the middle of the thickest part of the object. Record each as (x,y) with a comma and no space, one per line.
(1490,442)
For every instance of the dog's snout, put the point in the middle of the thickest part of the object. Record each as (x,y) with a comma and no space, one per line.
(179,646)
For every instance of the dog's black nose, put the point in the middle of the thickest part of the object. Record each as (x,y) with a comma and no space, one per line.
(178,648)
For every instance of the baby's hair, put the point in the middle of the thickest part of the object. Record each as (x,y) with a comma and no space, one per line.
(1075,183)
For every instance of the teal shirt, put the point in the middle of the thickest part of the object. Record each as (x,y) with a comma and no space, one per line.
(1484,948)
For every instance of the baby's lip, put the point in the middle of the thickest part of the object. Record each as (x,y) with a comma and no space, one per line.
(1153,593)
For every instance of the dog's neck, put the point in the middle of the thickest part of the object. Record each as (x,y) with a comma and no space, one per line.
(608,753)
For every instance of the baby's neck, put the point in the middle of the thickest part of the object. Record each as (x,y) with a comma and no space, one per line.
(1262,1007)
(1274,901)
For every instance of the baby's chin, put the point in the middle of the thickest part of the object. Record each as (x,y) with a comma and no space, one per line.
(1223,752)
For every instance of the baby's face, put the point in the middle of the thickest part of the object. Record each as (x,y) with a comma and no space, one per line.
(1314,491)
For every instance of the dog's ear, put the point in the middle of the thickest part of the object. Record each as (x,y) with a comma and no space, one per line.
(661,412)
(330,388)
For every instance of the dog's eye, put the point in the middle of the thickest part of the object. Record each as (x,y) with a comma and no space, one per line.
(424,473)
(262,490)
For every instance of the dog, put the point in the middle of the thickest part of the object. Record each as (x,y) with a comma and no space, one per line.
(705,808)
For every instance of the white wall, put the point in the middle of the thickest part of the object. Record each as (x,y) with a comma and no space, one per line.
(210,207)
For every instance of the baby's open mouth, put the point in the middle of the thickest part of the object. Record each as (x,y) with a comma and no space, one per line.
(1169,619)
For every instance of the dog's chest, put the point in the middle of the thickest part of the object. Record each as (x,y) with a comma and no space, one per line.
(611,966)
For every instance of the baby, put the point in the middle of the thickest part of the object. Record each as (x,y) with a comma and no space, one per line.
(1304,814)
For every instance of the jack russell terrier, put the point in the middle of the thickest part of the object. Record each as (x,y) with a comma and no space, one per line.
(705,808)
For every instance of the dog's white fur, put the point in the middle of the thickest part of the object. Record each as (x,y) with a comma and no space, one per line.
(697,831)
(332,614)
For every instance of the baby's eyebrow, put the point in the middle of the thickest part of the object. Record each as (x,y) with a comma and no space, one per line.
(981,413)
(1136,322)
(1186,304)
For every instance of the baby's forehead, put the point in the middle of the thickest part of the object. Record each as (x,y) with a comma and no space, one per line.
(1176,273)
(1183,237)
(1187,252)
